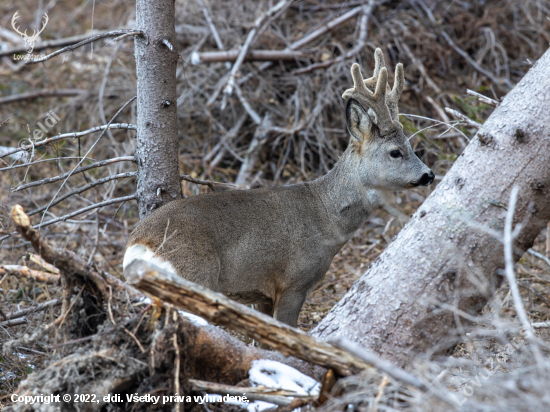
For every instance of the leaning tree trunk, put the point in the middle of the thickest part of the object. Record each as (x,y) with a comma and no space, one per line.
(157,136)
(440,256)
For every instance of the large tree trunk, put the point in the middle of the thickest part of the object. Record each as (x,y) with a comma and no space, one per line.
(439,254)
(157,136)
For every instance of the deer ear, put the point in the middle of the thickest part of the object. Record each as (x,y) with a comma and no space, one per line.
(358,121)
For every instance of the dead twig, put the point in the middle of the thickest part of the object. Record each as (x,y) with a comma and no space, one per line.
(87,187)
(24,271)
(208,183)
(73,135)
(42,93)
(85,209)
(483,99)
(114,33)
(14,322)
(28,311)
(47,44)
(379,363)
(260,21)
(253,55)
(367,10)
(49,180)
(462,117)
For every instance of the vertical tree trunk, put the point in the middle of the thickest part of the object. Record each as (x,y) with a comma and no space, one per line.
(157,137)
(440,257)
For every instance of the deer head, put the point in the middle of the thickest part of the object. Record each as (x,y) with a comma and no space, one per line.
(29,40)
(372,117)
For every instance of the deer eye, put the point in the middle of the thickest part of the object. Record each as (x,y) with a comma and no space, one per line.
(396,154)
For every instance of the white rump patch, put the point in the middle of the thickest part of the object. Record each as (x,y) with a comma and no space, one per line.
(139,251)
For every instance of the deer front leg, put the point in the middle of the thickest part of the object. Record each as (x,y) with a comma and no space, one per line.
(288,306)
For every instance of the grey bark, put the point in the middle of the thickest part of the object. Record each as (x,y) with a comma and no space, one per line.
(441,255)
(157,137)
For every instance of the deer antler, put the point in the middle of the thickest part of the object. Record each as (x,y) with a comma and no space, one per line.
(13,19)
(375,95)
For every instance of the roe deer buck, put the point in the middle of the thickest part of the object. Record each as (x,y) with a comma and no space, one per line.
(271,246)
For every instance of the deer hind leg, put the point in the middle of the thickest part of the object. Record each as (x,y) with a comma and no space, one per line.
(288,306)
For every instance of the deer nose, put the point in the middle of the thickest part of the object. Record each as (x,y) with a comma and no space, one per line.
(426,179)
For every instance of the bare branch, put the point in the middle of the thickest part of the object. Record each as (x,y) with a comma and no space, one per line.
(28,311)
(307,39)
(367,10)
(252,113)
(483,99)
(378,362)
(13,322)
(73,135)
(47,44)
(279,7)
(213,29)
(24,271)
(113,33)
(87,153)
(42,93)
(84,188)
(253,55)
(132,33)
(55,159)
(508,241)
(462,117)
(85,209)
(198,181)
(49,180)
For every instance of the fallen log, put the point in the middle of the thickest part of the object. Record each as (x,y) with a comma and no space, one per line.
(220,310)
(446,255)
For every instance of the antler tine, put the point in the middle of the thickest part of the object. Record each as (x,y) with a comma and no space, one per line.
(358,82)
(381,85)
(393,97)
(379,62)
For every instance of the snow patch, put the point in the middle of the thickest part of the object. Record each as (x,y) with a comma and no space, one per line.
(255,406)
(277,375)
(197,320)
(139,251)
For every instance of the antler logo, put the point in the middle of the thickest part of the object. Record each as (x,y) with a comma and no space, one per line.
(29,40)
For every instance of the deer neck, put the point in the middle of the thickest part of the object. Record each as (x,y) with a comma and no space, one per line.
(347,201)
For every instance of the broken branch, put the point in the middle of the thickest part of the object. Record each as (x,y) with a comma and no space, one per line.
(24,271)
(220,310)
